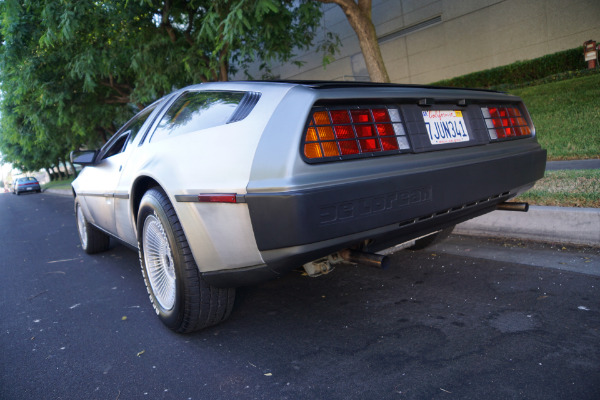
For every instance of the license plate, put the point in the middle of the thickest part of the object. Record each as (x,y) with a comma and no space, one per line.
(445,126)
(29,188)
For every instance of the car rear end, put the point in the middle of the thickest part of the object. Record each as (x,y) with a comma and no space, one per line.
(27,185)
(342,165)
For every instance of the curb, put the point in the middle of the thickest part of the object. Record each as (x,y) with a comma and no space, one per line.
(61,192)
(593,163)
(568,225)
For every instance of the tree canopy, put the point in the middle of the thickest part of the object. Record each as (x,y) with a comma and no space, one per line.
(71,71)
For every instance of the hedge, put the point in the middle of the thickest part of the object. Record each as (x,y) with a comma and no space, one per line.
(521,72)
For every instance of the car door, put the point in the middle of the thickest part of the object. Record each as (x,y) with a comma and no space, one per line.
(124,222)
(106,201)
(100,182)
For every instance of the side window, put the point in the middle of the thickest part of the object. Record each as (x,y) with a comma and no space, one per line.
(135,125)
(115,146)
(197,110)
(126,134)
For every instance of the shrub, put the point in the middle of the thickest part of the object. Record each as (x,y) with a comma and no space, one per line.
(521,72)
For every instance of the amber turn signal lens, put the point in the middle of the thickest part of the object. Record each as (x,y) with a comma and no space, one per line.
(349,132)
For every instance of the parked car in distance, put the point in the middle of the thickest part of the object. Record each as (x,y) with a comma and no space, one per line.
(229,184)
(26,184)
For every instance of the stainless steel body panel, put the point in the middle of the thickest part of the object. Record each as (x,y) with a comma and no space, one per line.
(213,160)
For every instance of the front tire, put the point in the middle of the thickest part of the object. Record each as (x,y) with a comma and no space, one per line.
(92,239)
(183,301)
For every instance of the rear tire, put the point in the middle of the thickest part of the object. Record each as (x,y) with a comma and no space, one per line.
(183,301)
(92,239)
(432,239)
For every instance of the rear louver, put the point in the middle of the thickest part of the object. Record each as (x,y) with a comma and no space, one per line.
(246,105)
(353,132)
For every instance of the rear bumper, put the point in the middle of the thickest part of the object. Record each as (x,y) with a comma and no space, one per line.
(293,227)
(295,218)
(26,189)
(280,261)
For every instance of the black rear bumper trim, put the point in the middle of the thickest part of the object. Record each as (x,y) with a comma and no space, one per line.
(293,218)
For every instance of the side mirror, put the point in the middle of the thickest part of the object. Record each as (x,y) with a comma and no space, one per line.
(85,157)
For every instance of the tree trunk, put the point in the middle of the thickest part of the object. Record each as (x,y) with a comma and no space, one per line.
(50,173)
(359,17)
(64,163)
(58,171)
(224,64)
(72,168)
(64,172)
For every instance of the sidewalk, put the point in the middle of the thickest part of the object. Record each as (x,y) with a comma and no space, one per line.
(569,225)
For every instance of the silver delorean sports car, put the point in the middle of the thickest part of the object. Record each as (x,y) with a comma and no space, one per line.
(229,184)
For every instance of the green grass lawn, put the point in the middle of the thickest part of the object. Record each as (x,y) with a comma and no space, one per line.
(62,184)
(569,188)
(566,115)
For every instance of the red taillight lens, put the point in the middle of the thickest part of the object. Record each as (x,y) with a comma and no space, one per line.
(348,132)
(505,122)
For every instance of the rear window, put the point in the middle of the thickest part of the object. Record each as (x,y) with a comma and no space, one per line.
(197,110)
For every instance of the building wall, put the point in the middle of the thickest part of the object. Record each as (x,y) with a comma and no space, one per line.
(424,41)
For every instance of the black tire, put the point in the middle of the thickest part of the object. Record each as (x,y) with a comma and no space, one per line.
(430,240)
(183,301)
(92,239)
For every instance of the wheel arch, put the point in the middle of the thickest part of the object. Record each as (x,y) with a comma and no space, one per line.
(141,185)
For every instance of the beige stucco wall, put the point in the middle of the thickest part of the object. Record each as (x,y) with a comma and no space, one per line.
(472,35)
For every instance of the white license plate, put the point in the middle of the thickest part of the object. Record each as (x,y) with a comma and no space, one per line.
(29,188)
(445,126)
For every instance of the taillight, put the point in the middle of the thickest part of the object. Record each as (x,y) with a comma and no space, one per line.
(505,122)
(354,132)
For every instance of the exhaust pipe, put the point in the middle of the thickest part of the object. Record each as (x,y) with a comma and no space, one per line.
(513,206)
(370,259)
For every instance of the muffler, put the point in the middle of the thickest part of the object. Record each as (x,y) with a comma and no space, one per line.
(513,206)
(370,259)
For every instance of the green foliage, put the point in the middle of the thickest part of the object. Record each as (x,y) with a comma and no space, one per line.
(521,72)
(73,71)
(566,115)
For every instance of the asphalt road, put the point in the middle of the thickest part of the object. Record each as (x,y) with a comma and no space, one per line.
(471,319)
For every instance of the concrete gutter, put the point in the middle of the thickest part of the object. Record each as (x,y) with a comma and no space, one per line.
(580,226)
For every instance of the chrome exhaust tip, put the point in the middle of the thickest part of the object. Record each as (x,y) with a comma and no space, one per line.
(370,259)
(513,206)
